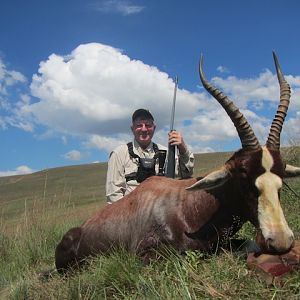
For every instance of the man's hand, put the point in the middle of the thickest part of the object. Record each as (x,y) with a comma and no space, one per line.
(175,138)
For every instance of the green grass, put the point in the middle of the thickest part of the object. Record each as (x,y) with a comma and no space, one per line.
(73,186)
(37,209)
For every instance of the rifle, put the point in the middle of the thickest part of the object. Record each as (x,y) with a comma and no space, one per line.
(172,148)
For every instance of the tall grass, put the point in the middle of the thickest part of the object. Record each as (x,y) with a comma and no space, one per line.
(28,241)
(29,249)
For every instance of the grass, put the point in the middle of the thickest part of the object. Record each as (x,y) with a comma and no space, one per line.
(79,186)
(37,209)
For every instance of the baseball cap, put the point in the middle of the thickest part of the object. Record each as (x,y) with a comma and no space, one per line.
(141,112)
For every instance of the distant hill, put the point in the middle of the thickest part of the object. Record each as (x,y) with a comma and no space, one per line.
(81,180)
(78,184)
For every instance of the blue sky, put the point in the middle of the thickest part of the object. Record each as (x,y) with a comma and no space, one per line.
(72,72)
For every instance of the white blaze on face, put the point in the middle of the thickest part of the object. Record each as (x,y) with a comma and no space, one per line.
(270,215)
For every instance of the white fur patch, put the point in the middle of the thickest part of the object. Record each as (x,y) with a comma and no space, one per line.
(270,215)
(267,159)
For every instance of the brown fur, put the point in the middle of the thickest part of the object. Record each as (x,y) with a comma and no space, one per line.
(161,211)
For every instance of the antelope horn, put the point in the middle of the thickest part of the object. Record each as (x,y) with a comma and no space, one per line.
(285,94)
(245,132)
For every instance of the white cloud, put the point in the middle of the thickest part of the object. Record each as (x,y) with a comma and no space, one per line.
(21,170)
(2,71)
(122,7)
(13,77)
(107,143)
(96,88)
(93,91)
(222,69)
(9,78)
(2,123)
(13,101)
(292,130)
(262,88)
(73,155)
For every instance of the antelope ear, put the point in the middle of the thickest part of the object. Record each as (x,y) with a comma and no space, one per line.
(291,171)
(212,180)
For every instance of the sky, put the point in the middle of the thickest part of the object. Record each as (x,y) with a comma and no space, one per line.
(73,71)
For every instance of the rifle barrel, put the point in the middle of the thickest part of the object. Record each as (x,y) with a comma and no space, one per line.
(174,103)
(172,149)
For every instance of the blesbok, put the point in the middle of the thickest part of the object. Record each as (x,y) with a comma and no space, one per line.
(197,213)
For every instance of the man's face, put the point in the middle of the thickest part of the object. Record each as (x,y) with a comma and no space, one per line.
(143,130)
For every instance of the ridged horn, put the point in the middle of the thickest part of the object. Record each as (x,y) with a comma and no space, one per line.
(245,132)
(285,95)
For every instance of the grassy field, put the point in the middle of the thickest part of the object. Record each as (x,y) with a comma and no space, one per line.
(37,209)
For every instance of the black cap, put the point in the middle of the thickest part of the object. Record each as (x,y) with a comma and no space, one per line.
(142,113)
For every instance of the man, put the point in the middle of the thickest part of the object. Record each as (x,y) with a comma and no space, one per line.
(126,163)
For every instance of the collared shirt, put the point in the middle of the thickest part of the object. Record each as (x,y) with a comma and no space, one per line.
(121,164)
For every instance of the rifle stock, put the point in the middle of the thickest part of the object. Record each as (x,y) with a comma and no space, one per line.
(172,148)
(171,162)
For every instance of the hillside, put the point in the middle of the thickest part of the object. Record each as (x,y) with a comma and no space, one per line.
(78,185)
(85,180)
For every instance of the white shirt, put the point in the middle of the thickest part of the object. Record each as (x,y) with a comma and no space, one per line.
(121,164)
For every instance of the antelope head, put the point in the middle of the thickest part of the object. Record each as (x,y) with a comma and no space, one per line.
(259,170)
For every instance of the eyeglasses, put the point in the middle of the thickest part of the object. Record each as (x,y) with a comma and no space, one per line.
(148,125)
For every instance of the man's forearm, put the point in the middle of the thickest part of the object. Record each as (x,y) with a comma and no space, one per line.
(186,164)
